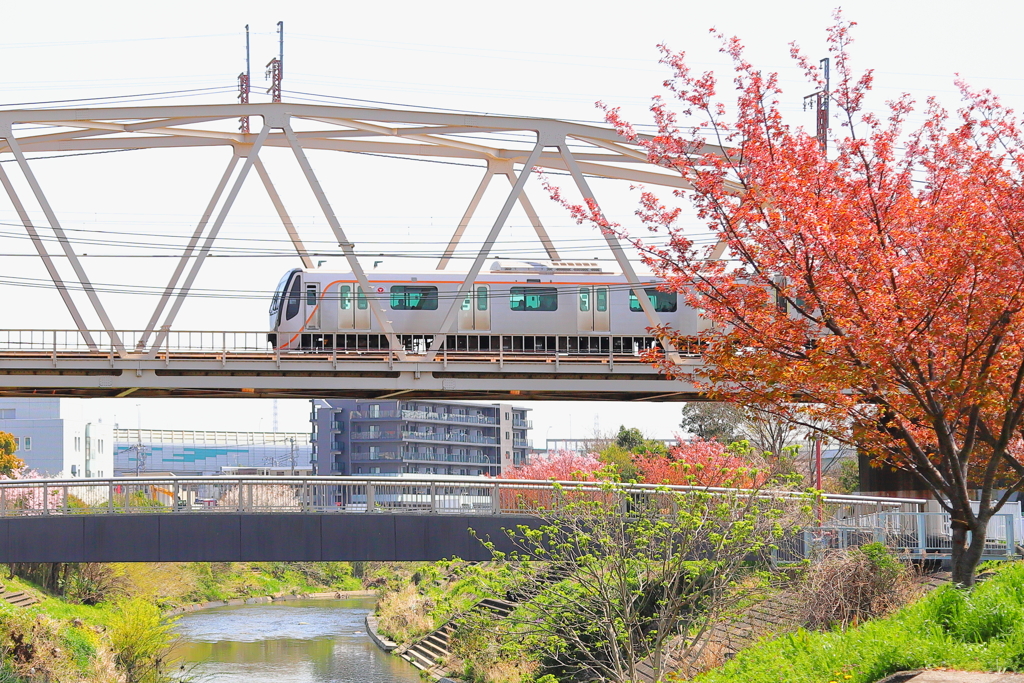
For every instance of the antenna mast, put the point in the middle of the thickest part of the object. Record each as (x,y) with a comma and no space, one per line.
(244,83)
(275,67)
(819,101)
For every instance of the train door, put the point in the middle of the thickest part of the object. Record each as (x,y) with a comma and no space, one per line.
(593,314)
(475,313)
(354,311)
(312,312)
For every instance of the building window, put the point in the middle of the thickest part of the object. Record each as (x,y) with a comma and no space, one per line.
(17,443)
(374,410)
(411,298)
(359,470)
(533,299)
(374,470)
(78,444)
(663,302)
(28,443)
(7,413)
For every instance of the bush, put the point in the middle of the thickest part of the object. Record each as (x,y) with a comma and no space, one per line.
(140,638)
(846,587)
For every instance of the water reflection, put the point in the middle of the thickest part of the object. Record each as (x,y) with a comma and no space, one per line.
(315,641)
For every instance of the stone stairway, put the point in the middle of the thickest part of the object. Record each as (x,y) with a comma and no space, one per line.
(17,598)
(431,652)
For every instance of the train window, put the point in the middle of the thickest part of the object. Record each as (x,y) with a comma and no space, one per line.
(467,304)
(533,299)
(601,295)
(345,295)
(407,298)
(311,295)
(664,302)
(584,298)
(294,299)
(361,299)
(481,298)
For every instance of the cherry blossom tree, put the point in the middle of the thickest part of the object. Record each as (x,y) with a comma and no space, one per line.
(559,466)
(878,282)
(704,463)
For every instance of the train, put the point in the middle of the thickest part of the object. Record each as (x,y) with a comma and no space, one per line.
(516,306)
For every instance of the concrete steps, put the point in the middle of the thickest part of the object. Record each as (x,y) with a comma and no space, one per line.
(431,652)
(17,598)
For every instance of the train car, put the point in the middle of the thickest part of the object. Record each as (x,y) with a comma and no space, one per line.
(517,306)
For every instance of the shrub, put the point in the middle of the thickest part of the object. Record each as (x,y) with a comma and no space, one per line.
(140,638)
(849,586)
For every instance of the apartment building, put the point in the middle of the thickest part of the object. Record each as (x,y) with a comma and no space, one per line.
(394,437)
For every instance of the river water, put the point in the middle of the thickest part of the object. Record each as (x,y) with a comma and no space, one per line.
(301,641)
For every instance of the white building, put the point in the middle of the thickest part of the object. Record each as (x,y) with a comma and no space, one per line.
(59,437)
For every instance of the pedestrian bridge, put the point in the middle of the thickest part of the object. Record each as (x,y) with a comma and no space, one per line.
(422,518)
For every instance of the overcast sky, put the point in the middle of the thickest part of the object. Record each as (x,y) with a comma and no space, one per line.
(551,59)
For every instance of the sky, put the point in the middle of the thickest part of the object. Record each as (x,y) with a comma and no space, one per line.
(551,59)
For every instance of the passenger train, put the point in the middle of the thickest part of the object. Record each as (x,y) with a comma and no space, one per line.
(516,306)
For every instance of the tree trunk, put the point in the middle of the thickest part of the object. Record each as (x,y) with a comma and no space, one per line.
(967,554)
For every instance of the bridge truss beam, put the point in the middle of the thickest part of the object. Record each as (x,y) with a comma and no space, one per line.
(529,143)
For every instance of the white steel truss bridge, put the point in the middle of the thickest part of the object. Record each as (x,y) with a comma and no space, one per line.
(161,360)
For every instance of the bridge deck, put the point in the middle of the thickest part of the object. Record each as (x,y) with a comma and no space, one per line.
(221,364)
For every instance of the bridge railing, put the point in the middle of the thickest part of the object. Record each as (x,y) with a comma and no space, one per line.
(432,494)
(248,342)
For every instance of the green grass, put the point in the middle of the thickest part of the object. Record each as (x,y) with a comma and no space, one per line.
(978,630)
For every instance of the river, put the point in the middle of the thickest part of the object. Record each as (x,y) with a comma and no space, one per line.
(301,641)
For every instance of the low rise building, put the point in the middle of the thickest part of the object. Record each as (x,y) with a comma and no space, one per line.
(59,437)
(185,452)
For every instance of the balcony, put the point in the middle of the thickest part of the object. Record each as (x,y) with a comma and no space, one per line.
(374,436)
(448,417)
(379,415)
(447,457)
(338,425)
(522,424)
(449,438)
(522,443)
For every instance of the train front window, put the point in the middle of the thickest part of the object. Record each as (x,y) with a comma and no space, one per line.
(533,299)
(294,299)
(411,298)
(663,302)
(275,304)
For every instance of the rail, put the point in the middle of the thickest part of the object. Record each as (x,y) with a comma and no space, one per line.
(343,494)
(249,343)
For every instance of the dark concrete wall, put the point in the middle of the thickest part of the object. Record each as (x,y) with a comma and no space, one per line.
(224,537)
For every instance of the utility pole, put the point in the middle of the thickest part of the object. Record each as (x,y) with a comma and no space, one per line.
(292,440)
(819,102)
(244,84)
(275,67)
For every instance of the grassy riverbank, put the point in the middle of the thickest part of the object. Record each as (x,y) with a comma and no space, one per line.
(105,623)
(979,630)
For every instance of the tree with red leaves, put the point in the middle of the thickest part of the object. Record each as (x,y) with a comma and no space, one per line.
(878,284)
